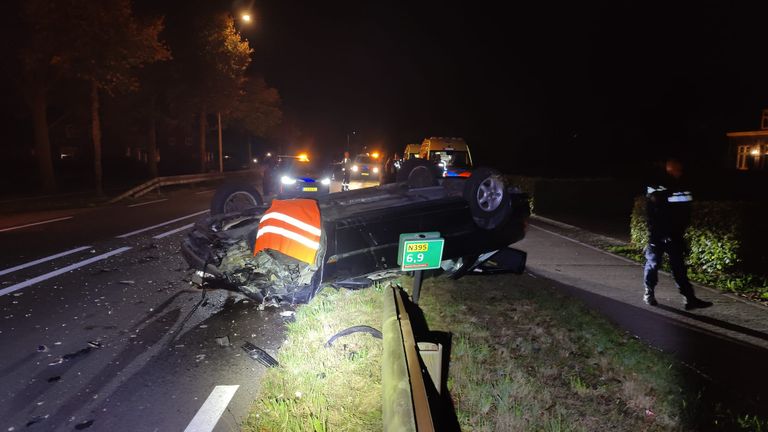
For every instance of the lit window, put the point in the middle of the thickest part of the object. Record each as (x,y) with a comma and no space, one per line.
(742,152)
(764,120)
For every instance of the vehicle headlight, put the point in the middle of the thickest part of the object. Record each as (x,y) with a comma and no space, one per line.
(375,170)
(287,180)
(354,168)
(326,181)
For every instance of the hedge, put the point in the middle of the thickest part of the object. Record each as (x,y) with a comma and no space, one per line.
(724,237)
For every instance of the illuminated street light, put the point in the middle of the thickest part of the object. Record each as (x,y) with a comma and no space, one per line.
(246,17)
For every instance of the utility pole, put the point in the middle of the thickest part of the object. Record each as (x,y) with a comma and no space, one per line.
(221,146)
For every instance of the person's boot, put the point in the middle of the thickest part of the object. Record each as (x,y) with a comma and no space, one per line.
(693,302)
(649,298)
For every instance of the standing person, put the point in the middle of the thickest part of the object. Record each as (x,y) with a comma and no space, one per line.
(668,212)
(389,171)
(346,167)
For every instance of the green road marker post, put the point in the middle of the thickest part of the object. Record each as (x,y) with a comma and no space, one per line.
(418,252)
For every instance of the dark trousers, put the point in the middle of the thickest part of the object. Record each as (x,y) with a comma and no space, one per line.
(654,257)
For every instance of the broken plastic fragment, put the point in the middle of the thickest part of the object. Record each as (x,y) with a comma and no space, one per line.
(223,340)
(287,313)
(259,355)
(127,282)
(84,425)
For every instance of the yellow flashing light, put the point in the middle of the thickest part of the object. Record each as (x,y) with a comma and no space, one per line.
(303,157)
(375,155)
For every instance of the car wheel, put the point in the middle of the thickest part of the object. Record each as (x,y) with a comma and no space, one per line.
(234,197)
(418,173)
(488,198)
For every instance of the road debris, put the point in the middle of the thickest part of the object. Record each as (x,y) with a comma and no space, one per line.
(259,355)
(42,348)
(127,282)
(84,425)
(355,329)
(37,419)
(223,341)
(199,357)
(286,314)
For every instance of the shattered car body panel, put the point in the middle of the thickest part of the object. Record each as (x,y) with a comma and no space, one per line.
(361,228)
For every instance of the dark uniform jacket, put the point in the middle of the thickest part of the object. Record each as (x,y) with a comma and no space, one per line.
(668,208)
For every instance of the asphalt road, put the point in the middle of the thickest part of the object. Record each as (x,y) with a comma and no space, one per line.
(100,328)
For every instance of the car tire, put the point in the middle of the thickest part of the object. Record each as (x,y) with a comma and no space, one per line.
(234,197)
(418,173)
(488,198)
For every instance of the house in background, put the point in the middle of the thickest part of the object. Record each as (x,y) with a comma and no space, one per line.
(749,150)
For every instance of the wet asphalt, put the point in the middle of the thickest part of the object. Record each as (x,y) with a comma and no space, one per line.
(125,343)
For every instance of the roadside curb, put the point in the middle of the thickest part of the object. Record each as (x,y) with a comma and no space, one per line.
(566,226)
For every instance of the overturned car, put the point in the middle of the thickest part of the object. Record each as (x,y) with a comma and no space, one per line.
(350,238)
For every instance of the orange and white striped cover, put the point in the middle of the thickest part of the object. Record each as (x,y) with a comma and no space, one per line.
(292,227)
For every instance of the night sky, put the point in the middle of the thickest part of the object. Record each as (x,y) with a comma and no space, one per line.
(540,87)
(544,84)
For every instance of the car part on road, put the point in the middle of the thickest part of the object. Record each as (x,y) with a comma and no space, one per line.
(354,329)
(234,197)
(507,260)
(488,198)
(259,355)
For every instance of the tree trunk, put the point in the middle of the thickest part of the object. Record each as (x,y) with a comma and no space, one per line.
(203,153)
(42,142)
(152,145)
(96,135)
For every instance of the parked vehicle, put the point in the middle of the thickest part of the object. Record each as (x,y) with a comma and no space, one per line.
(476,216)
(300,175)
(366,166)
(411,151)
(450,154)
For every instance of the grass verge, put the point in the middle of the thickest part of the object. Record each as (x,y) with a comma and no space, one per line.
(325,389)
(523,357)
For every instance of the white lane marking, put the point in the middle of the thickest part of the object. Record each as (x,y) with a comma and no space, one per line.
(205,191)
(166,234)
(213,407)
(161,224)
(35,223)
(148,202)
(41,260)
(60,271)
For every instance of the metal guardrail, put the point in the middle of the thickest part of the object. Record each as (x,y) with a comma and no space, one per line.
(406,405)
(157,182)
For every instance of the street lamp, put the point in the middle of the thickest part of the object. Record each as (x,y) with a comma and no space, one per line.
(353,133)
(246,17)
